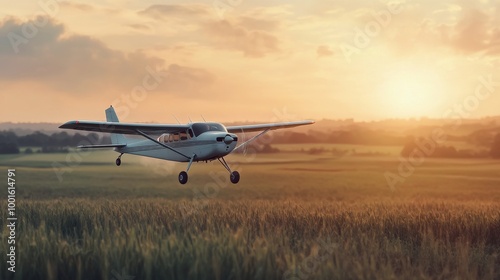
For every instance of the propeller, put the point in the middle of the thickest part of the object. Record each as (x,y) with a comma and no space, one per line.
(228,139)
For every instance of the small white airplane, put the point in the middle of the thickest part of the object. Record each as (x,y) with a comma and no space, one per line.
(199,141)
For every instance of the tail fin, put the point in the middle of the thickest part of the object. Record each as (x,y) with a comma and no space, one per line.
(112,117)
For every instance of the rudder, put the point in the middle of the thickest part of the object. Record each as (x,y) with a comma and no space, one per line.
(112,117)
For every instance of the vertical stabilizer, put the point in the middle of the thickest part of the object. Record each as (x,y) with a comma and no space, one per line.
(112,117)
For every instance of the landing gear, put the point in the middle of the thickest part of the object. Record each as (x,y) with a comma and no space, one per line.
(119,160)
(234,176)
(183,177)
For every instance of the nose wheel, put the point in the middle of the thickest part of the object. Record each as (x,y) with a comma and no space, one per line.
(234,176)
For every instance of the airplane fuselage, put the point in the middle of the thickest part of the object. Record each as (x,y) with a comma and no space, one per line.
(206,144)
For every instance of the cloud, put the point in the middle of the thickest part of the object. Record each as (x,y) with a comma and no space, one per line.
(257,23)
(425,29)
(163,12)
(183,80)
(77,6)
(79,64)
(495,42)
(474,31)
(471,32)
(139,27)
(253,43)
(250,34)
(324,51)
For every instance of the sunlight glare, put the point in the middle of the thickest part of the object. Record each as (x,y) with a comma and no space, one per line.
(412,92)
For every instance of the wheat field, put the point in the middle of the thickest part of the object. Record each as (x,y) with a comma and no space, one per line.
(291,217)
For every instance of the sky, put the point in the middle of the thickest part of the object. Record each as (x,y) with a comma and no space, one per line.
(242,60)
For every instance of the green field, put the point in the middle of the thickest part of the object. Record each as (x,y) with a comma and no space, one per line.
(292,216)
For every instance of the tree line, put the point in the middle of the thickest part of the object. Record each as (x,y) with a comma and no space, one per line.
(447,151)
(10,143)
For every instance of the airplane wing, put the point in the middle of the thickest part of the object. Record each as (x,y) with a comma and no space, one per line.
(266,126)
(125,128)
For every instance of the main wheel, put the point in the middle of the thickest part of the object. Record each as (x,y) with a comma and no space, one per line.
(183,177)
(118,162)
(235,177)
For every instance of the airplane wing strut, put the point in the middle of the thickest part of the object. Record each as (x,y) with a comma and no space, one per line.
(251,139)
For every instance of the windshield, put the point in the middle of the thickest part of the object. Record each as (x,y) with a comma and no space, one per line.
(199,128)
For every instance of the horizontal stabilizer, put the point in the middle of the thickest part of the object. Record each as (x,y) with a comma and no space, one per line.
(102,146)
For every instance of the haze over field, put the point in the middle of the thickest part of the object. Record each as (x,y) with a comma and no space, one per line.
(366,60)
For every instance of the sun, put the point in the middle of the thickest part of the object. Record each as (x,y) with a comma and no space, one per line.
(411,92)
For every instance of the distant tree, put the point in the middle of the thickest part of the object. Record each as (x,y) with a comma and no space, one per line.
(61,139)
(8,137)
(480,137)
(8,143)
(316,151)
(36,139)
(28,151)
(438,152)
(495,147)
(78,139)
(9,148)
(409,146)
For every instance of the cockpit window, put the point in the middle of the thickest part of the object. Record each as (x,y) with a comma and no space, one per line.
(200,128)
(176,137)
(173,137)
(183,135)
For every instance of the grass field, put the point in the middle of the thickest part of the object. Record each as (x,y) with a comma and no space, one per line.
(292,216)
